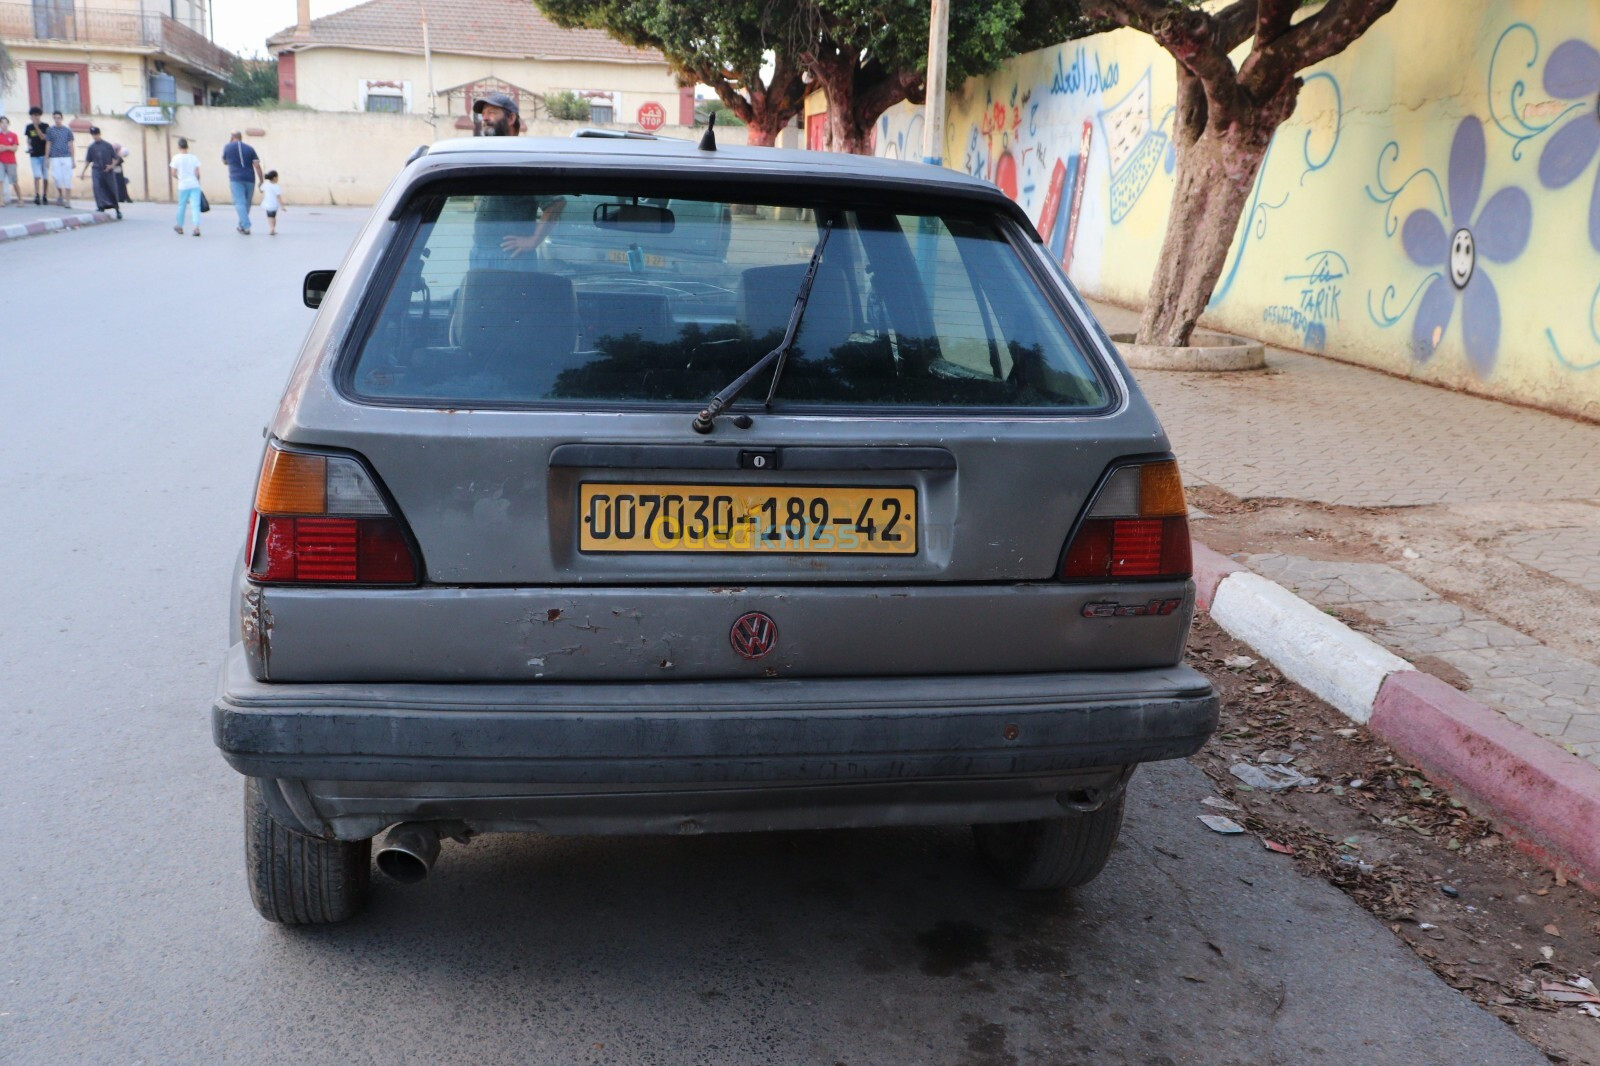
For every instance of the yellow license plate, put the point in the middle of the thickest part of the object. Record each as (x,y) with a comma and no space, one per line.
(808,519)
(650,259)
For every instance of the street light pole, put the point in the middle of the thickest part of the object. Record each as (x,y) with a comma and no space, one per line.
(427,60)
(933,105)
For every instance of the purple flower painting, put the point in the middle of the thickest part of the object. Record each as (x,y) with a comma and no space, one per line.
(1497,233)
(1573,73)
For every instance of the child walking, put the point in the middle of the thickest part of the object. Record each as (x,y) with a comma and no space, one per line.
(272,200)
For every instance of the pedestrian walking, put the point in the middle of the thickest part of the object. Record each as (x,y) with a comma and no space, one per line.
(63,160)
(38,144)
(99,166)
(122,178)
(244,176)
(185,167)
(8,163)
(272,201)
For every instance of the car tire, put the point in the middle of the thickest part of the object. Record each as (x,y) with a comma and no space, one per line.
(298,879)
(1052,852)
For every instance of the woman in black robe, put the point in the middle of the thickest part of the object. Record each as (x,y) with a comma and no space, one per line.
(100,163)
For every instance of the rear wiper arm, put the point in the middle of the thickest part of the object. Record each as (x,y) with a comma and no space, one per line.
(704,421)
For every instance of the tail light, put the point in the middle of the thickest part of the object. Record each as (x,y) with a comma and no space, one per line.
(320,520)
(1137,527)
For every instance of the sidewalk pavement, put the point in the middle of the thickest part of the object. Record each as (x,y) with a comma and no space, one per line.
(1483,662)
(33,221)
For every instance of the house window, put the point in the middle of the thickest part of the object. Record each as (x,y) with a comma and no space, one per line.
(54,19)
(60,91)
(600,114)
(388,103)
(60,87)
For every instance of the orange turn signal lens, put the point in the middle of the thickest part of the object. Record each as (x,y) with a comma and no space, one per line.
(292,483)
(1161,491)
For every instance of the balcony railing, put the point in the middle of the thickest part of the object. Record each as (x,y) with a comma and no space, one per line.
(111,29)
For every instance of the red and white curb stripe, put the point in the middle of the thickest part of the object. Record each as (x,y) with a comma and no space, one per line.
(1543,797)
(53,225)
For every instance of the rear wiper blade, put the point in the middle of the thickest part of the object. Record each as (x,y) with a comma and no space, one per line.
(704,421)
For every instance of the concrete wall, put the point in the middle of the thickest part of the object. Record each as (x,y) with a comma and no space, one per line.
(1450,115)
(330,79)
(322,158)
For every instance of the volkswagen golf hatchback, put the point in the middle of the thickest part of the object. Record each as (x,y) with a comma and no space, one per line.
(625,486)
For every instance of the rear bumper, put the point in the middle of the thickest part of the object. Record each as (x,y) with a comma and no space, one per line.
(690,756)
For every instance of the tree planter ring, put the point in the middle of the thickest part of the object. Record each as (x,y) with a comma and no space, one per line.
(1206,352)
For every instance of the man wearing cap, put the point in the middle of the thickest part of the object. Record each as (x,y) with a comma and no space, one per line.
(501,237)
(496,115)
(99,166)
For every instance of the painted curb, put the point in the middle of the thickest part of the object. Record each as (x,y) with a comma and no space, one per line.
(1543,798)
(42,226)
(1209,569)
(1548,798)
(1316,651)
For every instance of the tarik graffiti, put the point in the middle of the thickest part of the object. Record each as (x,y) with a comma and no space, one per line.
(1320,287)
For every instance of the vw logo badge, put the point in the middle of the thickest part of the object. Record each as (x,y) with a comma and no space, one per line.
(753,635)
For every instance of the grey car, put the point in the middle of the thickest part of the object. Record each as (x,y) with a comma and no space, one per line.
(633,487)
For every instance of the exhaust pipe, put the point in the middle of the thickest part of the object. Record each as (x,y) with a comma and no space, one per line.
(409,852)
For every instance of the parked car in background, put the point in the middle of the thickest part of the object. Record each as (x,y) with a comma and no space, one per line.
(771,490)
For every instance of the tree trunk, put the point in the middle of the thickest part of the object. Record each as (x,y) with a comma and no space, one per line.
(846,134)
(1214,175)
(763,133)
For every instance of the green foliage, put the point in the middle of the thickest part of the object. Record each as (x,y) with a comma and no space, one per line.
(252,83)
(893,36)
(870,55)
(567,105)
(5,67)
(719,44)
(726,116)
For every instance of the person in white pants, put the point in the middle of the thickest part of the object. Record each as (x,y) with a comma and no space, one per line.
(185,167)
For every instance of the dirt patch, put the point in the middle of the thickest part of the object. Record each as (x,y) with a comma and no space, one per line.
(1488,920)
(1460,552)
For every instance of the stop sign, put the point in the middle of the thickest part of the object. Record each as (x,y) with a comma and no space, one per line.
(652,116)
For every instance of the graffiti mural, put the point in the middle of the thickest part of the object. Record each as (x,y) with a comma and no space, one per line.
(1431,208)
(1135,147)
(1452,246)
(1573,73)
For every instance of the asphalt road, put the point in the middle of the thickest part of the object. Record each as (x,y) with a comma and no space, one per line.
(139,368)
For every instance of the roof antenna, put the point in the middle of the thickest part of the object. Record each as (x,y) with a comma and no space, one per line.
(708,140)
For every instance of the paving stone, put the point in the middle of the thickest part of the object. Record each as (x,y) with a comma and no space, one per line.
(1552,694)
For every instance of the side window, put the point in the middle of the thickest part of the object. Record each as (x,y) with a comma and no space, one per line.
(967,326)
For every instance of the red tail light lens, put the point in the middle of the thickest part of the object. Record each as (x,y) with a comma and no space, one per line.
(362,551)
(1138,527)
(1115,548)
(321,520)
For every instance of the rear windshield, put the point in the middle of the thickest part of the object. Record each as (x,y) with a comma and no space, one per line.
(590,300)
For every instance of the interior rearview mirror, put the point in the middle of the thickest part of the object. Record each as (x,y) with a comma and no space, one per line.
(634,218)
(315,287)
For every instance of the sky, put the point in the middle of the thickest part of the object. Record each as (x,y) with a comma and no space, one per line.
(243,26)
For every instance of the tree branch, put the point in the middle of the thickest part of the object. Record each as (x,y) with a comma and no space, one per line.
(1272,18)
(1235,24)
(1190,35)
(1307,43)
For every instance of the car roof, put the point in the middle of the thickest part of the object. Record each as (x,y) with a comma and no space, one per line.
(668,157)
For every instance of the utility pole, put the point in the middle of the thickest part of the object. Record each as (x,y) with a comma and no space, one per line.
(933,105)
(427,60)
